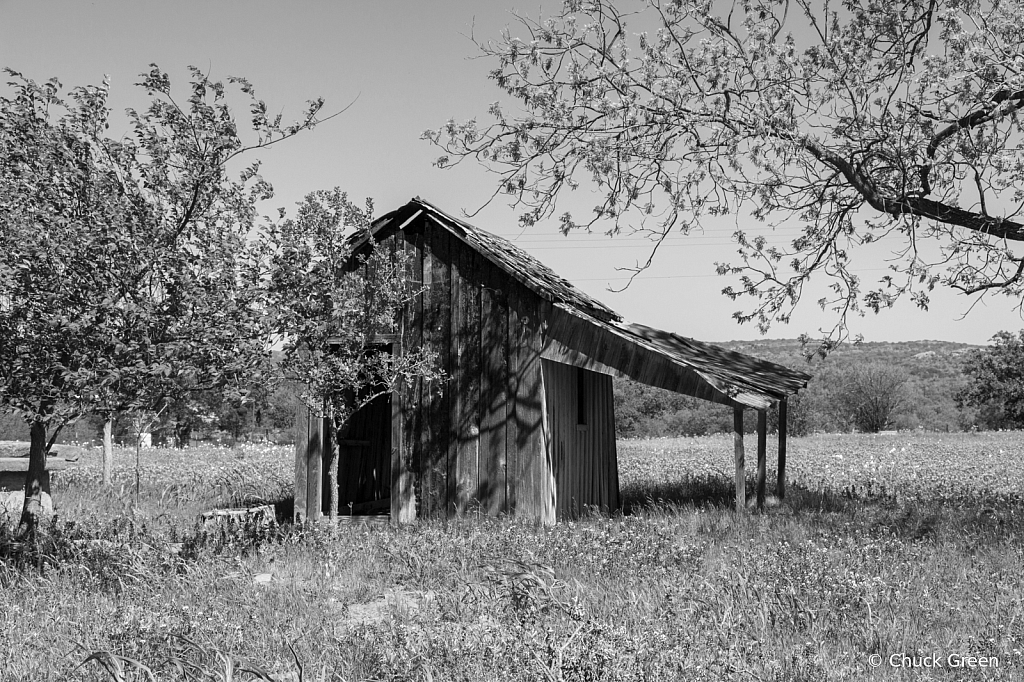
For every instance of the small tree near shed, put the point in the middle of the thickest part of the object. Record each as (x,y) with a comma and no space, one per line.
(334,307)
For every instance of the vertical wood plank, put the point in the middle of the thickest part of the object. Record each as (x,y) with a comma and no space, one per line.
(762,456)
(544,467)
(412,338)
(425,470)
(553,402)
(534,496)
(443,279)
(314,468)
(456,373)
(301,443)
(780,485)
(403,500)
(567,423)
(400,483)
(574,446)
(494,379)
(468,419)
(437,337)
(512,362)
(738,456)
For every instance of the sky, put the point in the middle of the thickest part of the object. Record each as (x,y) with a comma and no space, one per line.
(397,68)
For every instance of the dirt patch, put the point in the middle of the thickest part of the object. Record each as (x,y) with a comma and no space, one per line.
(399,602)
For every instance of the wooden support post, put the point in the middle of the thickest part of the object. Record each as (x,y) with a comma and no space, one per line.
(741,476)
(780,486)
(762,450)
(301,439)
(314,468)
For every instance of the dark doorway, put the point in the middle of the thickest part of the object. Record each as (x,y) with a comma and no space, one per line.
(364,460)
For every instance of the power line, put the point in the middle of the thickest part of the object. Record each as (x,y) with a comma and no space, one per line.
(622,246)
(641,277)
(645,240)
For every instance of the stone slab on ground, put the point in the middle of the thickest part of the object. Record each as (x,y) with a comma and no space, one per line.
(13,469)
(262,517)
(11,504)
(397,601)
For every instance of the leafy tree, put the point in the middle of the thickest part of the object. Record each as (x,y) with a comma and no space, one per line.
(188,413)
(859,121)
(868,397)
(126,275)
(332,304)
(996,384)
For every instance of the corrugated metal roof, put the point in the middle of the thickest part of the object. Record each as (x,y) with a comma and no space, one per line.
(743,378)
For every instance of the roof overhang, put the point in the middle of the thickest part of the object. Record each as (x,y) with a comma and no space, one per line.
(583,332)
(618,350)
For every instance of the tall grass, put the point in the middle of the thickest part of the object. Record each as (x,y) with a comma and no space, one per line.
(679,588)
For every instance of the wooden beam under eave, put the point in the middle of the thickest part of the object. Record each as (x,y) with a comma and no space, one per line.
(780,485)
(737,441)
(580,341)
(762,450)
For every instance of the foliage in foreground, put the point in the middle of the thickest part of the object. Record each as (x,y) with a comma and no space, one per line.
(677,589)
(860,122)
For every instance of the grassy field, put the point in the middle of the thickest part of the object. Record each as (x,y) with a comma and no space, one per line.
(905,547)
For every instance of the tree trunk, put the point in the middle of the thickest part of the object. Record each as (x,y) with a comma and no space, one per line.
(182,434)
(32,511)
(138,465)
(332,470)
(108,451)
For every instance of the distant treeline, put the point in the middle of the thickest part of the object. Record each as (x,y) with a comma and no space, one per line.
(203,418)
(863,387)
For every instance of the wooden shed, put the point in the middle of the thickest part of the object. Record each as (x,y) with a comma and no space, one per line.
(524,421)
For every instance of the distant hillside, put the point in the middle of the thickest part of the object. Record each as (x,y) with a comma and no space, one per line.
(917,354)
(933,370)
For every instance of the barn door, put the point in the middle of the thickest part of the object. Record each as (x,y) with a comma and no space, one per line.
(364,455)
(364,460)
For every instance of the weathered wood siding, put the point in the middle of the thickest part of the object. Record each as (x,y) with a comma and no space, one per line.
(573,340)
(475,441)
(581,423)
